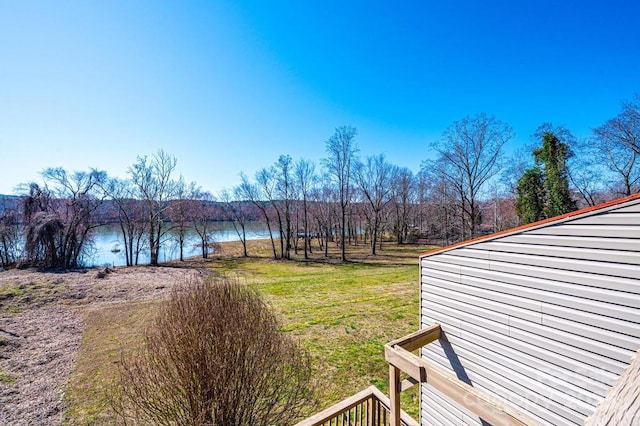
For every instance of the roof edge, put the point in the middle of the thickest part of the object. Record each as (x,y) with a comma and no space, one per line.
(556,219)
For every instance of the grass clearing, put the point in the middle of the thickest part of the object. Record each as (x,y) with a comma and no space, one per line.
(342,313)
(108,331)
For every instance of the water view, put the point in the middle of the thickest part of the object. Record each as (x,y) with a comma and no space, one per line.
(108,247)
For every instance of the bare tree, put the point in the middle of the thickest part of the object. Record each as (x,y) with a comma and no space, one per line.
(618,144)
(131,218)
(202,217)
(10,235)
(403,186)
(153,180)
(305,179)
(374,178)
(587,172)
(215,356)
(234,208)
(341,150)
(252,193)
(441,205)
(282,172)
(516,165)
(470,155)
(267,182)
(180,211)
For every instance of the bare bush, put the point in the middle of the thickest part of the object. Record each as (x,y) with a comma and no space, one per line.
(215,356)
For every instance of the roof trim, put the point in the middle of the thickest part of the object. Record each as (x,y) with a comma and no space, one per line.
(539,224)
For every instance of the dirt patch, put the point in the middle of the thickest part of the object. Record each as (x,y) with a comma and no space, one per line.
(42,323)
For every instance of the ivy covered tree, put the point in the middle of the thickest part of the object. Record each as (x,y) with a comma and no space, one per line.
(543,191)
(530,196)
(554,155)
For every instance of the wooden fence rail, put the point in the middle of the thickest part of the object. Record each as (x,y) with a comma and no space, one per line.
(369,407)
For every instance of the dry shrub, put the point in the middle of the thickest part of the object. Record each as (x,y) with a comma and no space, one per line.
(215,356)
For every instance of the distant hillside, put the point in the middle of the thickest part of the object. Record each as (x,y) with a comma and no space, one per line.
(8,202)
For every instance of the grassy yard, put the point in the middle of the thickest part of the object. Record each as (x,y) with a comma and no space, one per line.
(342,313)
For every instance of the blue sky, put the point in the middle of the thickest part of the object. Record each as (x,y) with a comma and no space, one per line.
(228,86)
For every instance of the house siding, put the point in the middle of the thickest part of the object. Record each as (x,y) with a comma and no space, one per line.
(545,318)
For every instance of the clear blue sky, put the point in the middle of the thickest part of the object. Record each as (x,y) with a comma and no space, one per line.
(228,86)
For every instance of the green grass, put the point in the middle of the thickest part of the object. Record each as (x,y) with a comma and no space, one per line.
(343,314)
(6,379)
(14,297)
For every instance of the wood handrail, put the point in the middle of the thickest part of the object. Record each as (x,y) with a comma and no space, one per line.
(398,354)
(345,405)
(417,339)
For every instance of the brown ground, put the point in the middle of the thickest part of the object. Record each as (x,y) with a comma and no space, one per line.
(41,326)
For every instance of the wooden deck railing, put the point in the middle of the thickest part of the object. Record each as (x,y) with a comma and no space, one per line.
(398,354)
(369,407)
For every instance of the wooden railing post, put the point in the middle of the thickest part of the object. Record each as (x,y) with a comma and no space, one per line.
(394,395)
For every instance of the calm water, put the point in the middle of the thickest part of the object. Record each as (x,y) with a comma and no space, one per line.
(109,237)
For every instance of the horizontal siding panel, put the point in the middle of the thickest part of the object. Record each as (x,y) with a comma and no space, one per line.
(609,218)
(533,369)
(491,290)
(431,397)
(441,297)
(580,341)
(609,256)
(590,356)
(445,326)
(433,418)
(592,333)
(633,208)
(445,413)
(510,390)
(615,325)
(610,231)
(534,276)
(578,348)
(549,292)
(595,267)
(566,241)
(448,324)
(591,365)
(472,251)
(481,362)
(467,318)
(526,407)
(502,261)
(537,359)
(457,260)
(434,396)
(479,306)
(525,381)
(473,421)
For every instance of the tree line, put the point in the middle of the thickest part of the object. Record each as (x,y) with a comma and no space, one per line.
(471,186)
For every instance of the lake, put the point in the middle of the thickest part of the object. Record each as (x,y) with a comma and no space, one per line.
(108,237)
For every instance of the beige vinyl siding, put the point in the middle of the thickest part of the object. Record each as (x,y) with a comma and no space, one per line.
(546,318)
